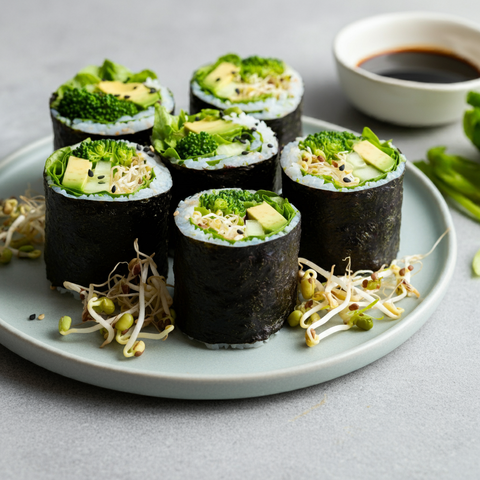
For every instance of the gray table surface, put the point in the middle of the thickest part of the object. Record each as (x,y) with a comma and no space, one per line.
(411,414)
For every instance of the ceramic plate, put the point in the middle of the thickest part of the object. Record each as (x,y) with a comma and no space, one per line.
(180,368)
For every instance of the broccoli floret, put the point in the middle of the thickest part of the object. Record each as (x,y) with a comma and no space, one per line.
(196,145)
(230,201)
(261,66)
(117,152)
(328,143)
(99,107)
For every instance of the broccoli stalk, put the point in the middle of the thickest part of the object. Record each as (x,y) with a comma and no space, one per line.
(99,107)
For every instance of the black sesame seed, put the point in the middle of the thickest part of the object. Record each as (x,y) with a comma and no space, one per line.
(139,147)
(32,316)
(197,119)
(239,232)
(90,173)
(241,140)
(269,145)
(254,129)
(150,154)
(101,183)
(101,176)
(135,87)
(233,72)
(126,96)
(341,167)
(113,189)
(258,123)
(346,180)
(237,90)
(146,149)
(244,152)
(218,79)
(116,94)
(152,90)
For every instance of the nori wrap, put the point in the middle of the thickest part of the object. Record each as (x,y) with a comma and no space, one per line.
(362,222)
(276,98)
(86,235)
(234,293)
(108,101)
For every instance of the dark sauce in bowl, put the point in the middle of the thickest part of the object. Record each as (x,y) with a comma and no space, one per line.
(421,65)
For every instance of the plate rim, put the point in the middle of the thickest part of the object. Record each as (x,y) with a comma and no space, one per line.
(43,354)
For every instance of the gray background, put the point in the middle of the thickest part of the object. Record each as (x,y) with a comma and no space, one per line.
(411,414)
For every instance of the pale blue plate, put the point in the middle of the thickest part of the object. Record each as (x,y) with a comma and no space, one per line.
(180,368)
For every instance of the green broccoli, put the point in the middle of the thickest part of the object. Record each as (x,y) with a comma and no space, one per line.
(230,201)
(328,143)
(261,66)
(196,145)
(101,108)
(117,152)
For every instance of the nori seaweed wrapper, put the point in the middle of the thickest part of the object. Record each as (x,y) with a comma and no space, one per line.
(64,136)
(85,239)
(363,225)
(287,128)
(235,295)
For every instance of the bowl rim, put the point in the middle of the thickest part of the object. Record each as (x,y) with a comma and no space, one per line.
(408,84)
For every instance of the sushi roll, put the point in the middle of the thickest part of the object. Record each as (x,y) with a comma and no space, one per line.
(214,149)
(266,88)
(100,196)
(349,189)
(108,101)
(235,266)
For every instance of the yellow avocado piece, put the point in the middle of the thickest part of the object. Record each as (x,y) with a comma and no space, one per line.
(124,91)
(76,173)
(374,156)
(221,76)
(267,216)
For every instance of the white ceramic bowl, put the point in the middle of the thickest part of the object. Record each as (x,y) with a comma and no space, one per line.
(405,102)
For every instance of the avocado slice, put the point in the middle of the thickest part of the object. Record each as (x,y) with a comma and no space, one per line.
(100,182)
(76,173)
(218,127)
(230,149)
(136,93)
(267,216)
(374,156)
(221,76)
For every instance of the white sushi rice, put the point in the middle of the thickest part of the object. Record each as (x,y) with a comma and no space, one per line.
(291,155)
(266,152)
(124,125)
(160,184)
(185,211)
(267,109)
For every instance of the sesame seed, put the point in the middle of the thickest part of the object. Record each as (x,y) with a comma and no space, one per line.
(254,129)
(241,140)
(218,79)
(101,176)
(90,173)
(114,188)
(269,145)
(341,167)
(116,94)
(150,154)
(197,119)
(237,90)
(41,317)
(146,149)
(239,232)
(101,183)
(139,147)
(346,180)
(32,316)
(152,90)
(126,96)
(135,87)
(244,152)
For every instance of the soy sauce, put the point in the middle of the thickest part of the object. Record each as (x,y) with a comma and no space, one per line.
(421,65)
